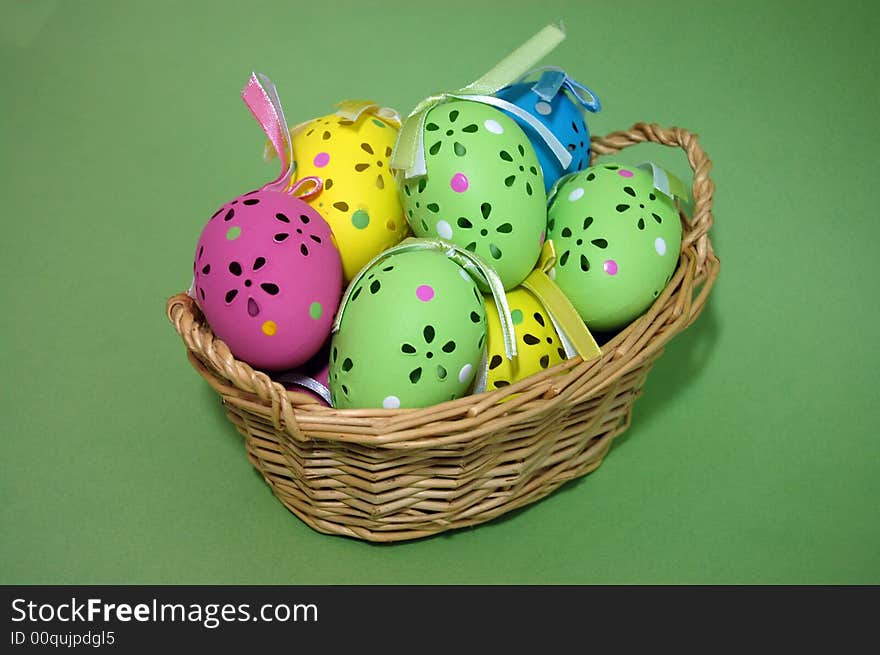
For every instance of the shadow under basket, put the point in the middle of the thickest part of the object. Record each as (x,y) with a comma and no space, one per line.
(395,474)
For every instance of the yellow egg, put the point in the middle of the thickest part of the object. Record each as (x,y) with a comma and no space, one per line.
(359,199)
(538,346)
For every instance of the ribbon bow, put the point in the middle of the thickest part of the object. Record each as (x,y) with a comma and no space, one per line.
(409,151)
(483,274)
(553,79)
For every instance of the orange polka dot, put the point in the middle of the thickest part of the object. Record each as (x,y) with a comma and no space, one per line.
(270,328)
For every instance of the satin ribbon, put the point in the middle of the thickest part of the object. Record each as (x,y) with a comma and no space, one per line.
(261,97)
(576,337)
(309,383)
(665,182)
(553,79)
(409,150)
(483,274)
(351,110)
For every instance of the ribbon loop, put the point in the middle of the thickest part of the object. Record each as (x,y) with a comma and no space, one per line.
(482,274)
(409,150)
(553,79)
(261,97)
(351,110)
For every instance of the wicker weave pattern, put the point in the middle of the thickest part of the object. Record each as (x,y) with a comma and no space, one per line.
(390,475)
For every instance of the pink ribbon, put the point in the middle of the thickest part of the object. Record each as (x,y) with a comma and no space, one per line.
(261,98)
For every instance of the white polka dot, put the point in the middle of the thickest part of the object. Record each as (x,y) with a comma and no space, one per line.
(543,108)
(552,273)
(660,246)
(465,373)
(465,275)
(391,402)
(577,194)
(494,126)
(444,229)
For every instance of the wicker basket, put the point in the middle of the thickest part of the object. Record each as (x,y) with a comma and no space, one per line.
(390,475)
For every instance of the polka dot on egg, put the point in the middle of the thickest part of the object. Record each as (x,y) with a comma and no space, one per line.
(576,194)
(543,108)
(270,328)
(321,159)
(660,246)
(610,267)
(465,373)
(493,126)
(378,123)
(517,316)
(444,229)
(360,219)
(316,310)
(233,233)
(459,183)
(391,402)
(624,173)
(425,293)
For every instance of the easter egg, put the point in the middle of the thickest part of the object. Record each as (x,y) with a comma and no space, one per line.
(617,239)
(483,188)
(360,197)
(563,118)
(411,334)
(268,278)
(538,345)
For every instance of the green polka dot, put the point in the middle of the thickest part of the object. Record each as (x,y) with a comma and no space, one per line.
(516,315)
(360,219)
(376,121)
(233,233)
(315,310)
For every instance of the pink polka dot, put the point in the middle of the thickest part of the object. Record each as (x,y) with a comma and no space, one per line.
(321,159)
(624,173)
(610,267)
(459,183)
(425,293)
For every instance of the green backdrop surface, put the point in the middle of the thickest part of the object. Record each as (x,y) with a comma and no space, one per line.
(753,455)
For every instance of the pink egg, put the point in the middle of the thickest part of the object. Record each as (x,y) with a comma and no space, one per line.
(268,278)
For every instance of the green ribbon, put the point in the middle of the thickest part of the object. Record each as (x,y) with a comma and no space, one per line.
(483,274)
(409,151)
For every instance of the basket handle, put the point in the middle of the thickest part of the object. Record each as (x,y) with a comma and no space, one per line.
(703,189)
(181,311)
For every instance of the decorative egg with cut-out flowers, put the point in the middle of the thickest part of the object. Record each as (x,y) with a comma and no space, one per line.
(268,278)
(483,188)
(617,239)
(411,334)
(359,199)
(537,343)
(564,117)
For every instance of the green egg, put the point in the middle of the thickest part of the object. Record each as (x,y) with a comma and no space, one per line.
(411,334)
(617,241)
(483,188)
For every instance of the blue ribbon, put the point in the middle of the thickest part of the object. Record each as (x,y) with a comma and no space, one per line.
(554,79)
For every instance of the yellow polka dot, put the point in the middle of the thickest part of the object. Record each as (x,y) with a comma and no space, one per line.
(270,328)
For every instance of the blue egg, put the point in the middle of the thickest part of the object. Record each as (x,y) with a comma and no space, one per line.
(564,117)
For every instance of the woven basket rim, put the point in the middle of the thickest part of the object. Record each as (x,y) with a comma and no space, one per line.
(455,421)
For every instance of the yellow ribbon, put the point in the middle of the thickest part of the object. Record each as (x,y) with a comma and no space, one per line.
(575,335)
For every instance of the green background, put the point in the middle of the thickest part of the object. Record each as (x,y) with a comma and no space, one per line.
(754,452)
